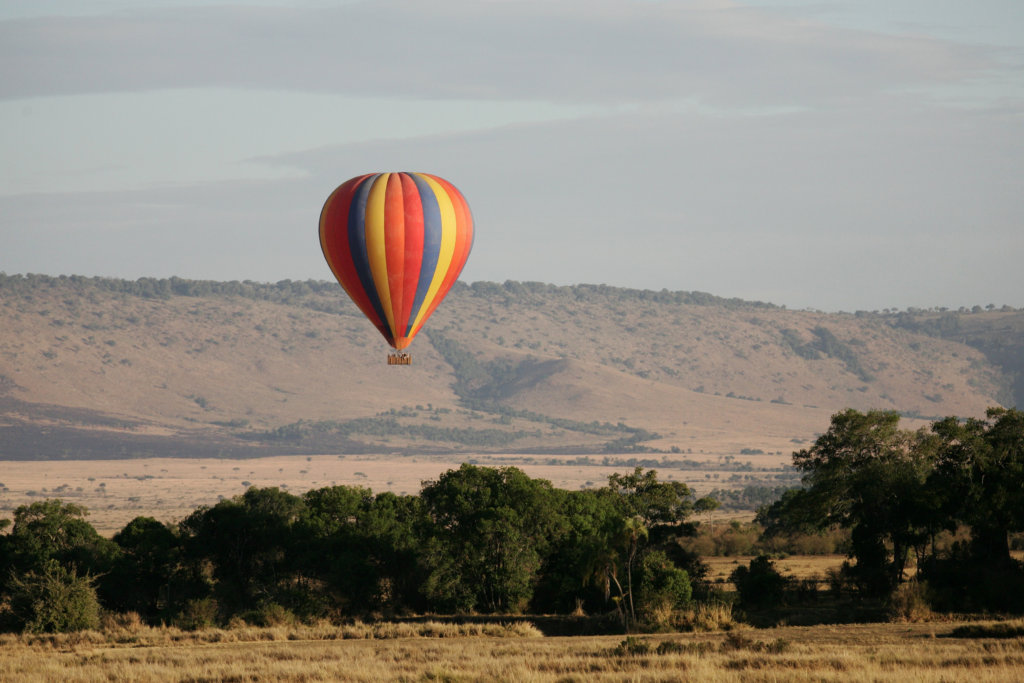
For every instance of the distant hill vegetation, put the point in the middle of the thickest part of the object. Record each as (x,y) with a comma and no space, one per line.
(101,368)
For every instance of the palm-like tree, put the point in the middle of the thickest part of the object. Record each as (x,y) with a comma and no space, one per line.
(614,554)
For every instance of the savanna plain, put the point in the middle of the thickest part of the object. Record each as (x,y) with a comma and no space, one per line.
(518,652)
(116,491)
(718,648)
(156,398)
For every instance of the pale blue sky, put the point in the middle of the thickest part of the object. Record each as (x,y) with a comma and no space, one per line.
(828,154)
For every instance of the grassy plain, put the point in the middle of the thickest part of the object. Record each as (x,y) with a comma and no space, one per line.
(793,566)
(866,652)
(116,491)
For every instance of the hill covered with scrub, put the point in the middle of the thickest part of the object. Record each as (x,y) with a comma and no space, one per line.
(100,368)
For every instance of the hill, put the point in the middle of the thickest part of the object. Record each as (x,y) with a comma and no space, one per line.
(101,368)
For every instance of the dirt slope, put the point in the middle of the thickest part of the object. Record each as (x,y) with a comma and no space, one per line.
(175,367)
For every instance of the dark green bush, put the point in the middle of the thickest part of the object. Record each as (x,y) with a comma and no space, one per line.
(270,615)
(197,614)
(54,600)
(760,585)
(663,587)
(632,646)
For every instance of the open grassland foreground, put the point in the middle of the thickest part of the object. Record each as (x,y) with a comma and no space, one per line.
(869,652)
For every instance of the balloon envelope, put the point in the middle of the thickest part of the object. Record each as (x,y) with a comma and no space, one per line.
(396,242)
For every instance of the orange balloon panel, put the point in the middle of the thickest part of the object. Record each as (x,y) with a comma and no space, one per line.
(397,243)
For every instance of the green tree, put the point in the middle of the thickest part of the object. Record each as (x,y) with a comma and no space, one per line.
(391,530)
(490,530)
(868,475)
(981,470)
(707,505)
(640,494)
(663,587)
(332,549)
(364,548)
(582,565)
(980,473)
(249,542)
(644,516)
(664,508)
(54,530)
(631,535)
(147,577)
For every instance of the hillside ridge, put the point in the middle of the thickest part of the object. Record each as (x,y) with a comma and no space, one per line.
(101,367)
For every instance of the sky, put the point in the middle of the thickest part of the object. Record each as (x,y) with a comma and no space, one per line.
(821,154)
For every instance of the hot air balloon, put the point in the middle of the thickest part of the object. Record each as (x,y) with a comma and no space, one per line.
(396,242)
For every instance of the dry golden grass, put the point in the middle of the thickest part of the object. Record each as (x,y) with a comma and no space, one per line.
(795,566)
(116,491)
(918,652)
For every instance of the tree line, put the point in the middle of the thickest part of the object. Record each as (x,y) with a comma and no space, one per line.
(898,490)
(493,540)
(293,290)
(478,539)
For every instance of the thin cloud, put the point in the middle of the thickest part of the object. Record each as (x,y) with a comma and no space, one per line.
(599,51)
(867,207)
(744,152)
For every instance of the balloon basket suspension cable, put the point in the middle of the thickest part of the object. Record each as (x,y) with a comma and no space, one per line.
(399,358)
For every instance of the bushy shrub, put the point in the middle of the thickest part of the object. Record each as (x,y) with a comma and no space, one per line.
(632,646)
(197,614)
(760,585)
(909,602)
(708,616)
(54,600)
(960,582)
(1003,629)
(805,590)
(663,588)
(738,539)
(270,615)
(736,640)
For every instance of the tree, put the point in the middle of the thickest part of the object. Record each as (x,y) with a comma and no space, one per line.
(575,570)
(364,548)
(707,505)
(332,550)
(760,585)
(867,475)
(490,530)
(391,530)
(251,544)
(655,502)
(147,577)
(981,470)
(631,533)
(54,530)
(644,516)
(663,587)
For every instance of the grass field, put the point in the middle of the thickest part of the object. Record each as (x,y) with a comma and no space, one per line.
(116,491)
(874,652)
(794,566)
